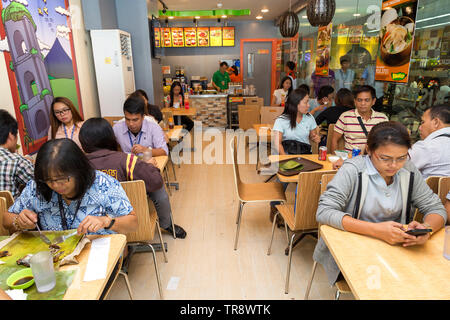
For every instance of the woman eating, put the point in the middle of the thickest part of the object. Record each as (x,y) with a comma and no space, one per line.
(375,195)
(176,100)
(65,121)
(67,193)
(280,95)
(296,124)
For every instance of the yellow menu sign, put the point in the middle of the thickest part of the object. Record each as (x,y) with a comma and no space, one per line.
(166,39)
(228,36)
(190,37)
(203,37)
(177,37)
(215,36)
(157,37)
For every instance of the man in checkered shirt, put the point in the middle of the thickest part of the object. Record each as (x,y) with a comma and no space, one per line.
(15,170)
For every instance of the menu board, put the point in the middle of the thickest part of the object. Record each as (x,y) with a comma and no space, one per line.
(228,36)
(166,39)
(177,37)
(190,37)
(157,38)
(203,36)
(215,36)
(354,34)
(323,50)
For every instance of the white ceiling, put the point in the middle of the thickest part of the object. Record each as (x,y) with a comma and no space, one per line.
(276,7)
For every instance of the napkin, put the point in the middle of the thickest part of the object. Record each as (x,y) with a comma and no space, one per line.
(17,294)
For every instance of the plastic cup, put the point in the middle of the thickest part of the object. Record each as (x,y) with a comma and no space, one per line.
(447,243)
(43,272)
(147,155)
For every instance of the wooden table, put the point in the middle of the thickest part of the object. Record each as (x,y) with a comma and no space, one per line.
(175,133)
(262,131)
(376,270)
(327,166)
(181,111)
(161,162)
(92,290)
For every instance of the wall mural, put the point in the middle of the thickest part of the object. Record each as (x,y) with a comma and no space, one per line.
(36,39)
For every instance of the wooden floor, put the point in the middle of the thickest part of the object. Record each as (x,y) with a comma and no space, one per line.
(205,264)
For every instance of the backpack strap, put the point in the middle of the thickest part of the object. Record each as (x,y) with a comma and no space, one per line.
(361,123)
(358,196)
(130,164)
(408,202)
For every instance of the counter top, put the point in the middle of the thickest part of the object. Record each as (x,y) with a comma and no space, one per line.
(203,96)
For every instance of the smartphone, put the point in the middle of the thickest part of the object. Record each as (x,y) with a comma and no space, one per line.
(418,232)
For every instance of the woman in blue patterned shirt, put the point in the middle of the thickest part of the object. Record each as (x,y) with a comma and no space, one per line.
(67,193)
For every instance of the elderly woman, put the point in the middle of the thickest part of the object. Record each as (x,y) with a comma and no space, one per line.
(67,193)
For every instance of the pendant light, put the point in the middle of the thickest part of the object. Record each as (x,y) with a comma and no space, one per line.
(289,24)
(320,12)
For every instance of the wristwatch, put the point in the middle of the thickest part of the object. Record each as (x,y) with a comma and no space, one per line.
(112,222)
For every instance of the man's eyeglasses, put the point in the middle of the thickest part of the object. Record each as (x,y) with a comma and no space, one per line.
(390,161)
(58,181)
(61,112)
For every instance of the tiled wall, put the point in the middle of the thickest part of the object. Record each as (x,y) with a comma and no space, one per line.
(212,112)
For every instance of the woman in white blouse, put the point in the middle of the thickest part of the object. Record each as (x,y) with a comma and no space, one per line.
(280,95)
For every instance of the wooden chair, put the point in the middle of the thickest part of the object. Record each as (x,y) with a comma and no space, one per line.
(341,142)
(8,197)
(444,188)
(433,183)
(252,192)
(341,286)
(112,120)
(3,208)
(117,271)
(137,195)
(303,219)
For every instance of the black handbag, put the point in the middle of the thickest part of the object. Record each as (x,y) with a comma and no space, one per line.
(296,147)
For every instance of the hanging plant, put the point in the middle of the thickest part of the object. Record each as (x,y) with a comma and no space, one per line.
(320,12)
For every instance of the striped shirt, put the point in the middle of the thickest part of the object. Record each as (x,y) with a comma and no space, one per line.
(348,125)
(15,172)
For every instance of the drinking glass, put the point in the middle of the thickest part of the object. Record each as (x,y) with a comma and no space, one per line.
(43,272)
(147,155)
(447,243)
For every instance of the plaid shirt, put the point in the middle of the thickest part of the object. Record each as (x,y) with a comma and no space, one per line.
(15,171)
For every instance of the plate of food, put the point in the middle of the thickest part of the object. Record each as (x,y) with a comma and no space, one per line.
(396,38)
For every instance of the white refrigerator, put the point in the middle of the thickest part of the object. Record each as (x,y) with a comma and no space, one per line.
(114,70)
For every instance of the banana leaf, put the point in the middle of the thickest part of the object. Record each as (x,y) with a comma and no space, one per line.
(289,165)
(63,281)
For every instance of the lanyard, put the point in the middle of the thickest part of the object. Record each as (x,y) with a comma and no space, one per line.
(63,215)
(131,140)
(347,73)
(65,131)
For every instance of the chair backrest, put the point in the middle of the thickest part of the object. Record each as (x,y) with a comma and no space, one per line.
(249,115)
(326,178)
(341,142)
(3,208)
(444,188)
(307,200)
(433,183)
(314,147)
(144,210)
(269,114)
(8,197)
(237,176)
(112,120)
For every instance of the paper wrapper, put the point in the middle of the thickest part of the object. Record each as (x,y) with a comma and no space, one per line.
(8,240)
(71,258)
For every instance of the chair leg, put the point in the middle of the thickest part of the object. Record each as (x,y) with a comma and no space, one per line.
(241,207)
(168,180)
(161,240)
(273,231)
(173,170)
(286,289)
(157,272)
(125,276)
(310,280)
(287,233)
(337,295)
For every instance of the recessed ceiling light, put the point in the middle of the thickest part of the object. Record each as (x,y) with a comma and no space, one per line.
(170,17)
(259,17)
(304,17)
(197,17)
(356,14)
(224,16)
(264,10)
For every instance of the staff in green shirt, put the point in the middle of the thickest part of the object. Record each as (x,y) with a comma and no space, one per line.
(221,77)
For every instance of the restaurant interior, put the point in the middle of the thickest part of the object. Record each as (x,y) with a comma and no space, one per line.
(228,58)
